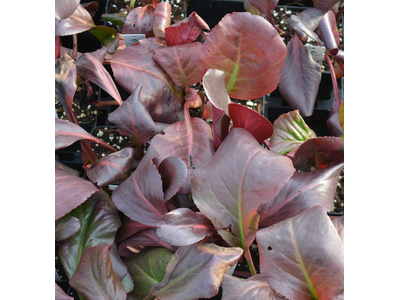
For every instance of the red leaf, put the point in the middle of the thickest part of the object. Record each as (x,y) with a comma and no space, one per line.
(173,171)
(161,19)
(139,21)
(65,8)
(78,22)
(265,7)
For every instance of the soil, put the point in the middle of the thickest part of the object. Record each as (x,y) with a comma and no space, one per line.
(112,137)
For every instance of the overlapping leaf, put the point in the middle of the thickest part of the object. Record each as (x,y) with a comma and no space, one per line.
(134,65)
(161,19)
(265,7)
(94,278)
(302,257)
(139,20)
(252,61)
(338,222)
(66,227)
(132,119)
(311,17)
(300,78)
(185,31)
(120,268)
(240,176)
(112,168)
(324,5)
(329,33)
(173,171)
(193,266)
(214,86)
(78,22)
(302,191)
(180,62)
(99,223)
(65,8)
(90,66)
(71,191)
(60,294)
(290,131)
(183,227)
(129,228)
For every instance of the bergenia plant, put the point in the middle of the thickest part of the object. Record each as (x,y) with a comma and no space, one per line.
(196,197)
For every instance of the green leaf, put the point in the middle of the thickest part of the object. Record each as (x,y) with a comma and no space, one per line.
(116,18)
(147,268)
(290,131)
(104,34)
(341,115)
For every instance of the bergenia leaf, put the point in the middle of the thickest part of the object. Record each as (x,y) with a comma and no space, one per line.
(194,145)
(115,18)
(180,62)
(94,278)
(185,31)
(141,197)
(193,266)
(324,5)
(302,191)
(134,65)
(251,71)
(161,19)
(183,227)
(132,119)
(214,86)
(252,121)
(297,24)
(71,191)
(147,268)
(302,257)
(311,17)
(319,153)
(329,33)
(290,131)
(91,7)
(60,294)
(119,267)
(65,8)
(341,114)
(173,171)
(300,78)
(255,288)
(66,227)
(265,7)
(90,66)
(129,228)
(106,35)
(240,176)
(78,22)
(99,223)
(112,168)
(139,20)
(67,133)
(338,222)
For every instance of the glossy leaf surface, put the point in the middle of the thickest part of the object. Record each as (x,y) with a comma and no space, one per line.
(185,31)
(78,22)
(214,86)
(71,191)
(139,20)
(290,131)
(129,228)
(302,257)
(161,19)
(147,268)
(132,119)
(300,78)
(252,121)
(302,191)
(95,278)
(329,33)
(311,17)
(173,171)
(252,61)
(240,176)
(90,66)
(112,168)
(180,62)
(193,266)
(183,227)
(65,8)
(66,227)
(99,223)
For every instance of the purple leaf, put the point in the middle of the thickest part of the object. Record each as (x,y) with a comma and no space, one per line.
(129,228)
(329,33)
(66,227)
(194,145)
(240,176)
(301,192)
(251,71)
(141,197)
(265,7)
(173,171)
(194,266)
(119,267)
(94,278)
(134,65)
(255,288)
(302,257)
(311,18)
(139,20)
(90,66)
(180,62)
(183,227)
(324,5)
(61,295)
(185,31)
(161,18)
(214,86)
(300,78)
(252,121)
(338,222)
(290,131)
(112,168)
(99,223)
(68,133)
(132,119)
(319,153)
(301,28)
(65,8)
(78,22)
(71,191)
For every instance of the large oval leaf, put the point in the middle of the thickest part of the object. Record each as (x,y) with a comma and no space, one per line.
(65,8)
(302,257)
(78,22)
(252,61)
(94,278)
